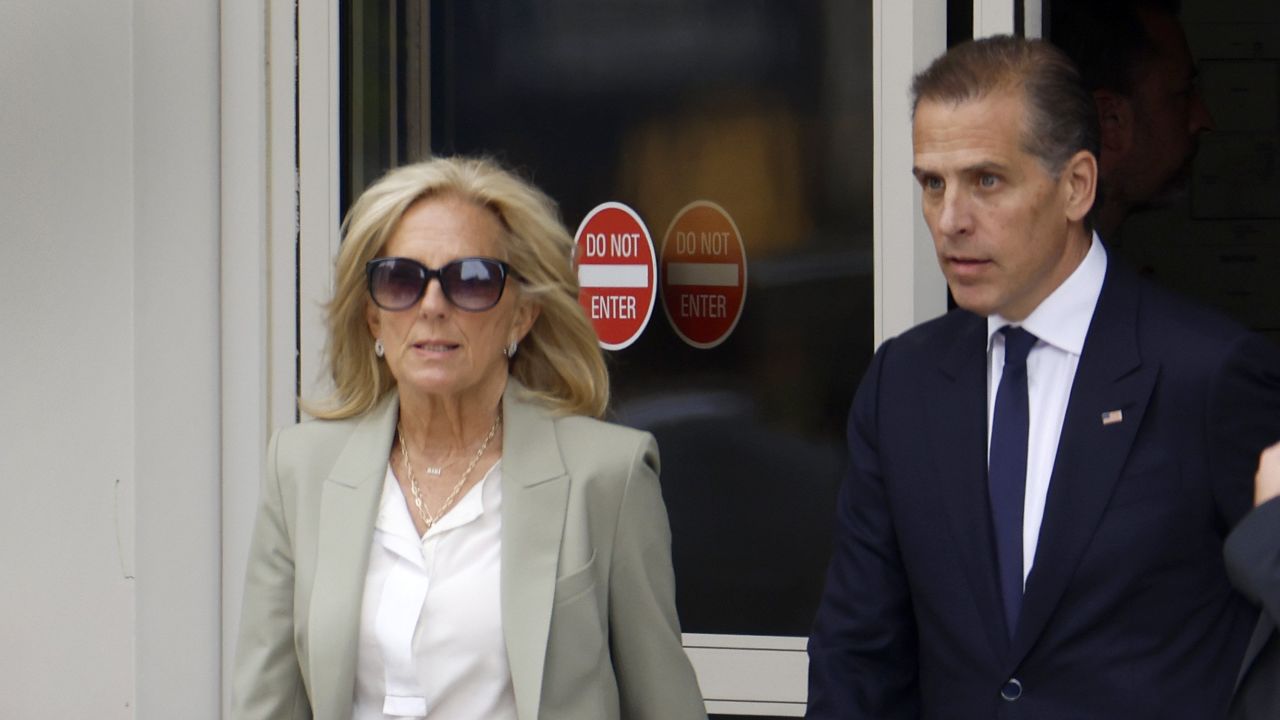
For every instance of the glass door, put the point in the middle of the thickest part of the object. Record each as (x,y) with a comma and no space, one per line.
(768,116)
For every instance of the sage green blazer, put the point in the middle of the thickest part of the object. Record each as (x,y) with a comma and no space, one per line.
(588,594)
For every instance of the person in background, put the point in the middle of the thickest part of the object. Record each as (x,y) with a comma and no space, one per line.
(1253,560)
(1134,59)
(458,536)
(1041,480)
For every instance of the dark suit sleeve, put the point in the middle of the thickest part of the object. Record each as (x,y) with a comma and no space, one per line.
(862,652)
(1243,419)
(1253,556)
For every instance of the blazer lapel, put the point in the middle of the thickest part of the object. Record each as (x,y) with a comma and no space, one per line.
(535,491)
(1091,452)
(1262,632)
(348,509)
(958,440)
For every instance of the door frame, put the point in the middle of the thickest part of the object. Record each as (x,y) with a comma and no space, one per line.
(744,675)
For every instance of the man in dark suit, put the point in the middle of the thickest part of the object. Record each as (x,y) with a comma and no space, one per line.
(1253,560)
(1134,59)
(1040,481)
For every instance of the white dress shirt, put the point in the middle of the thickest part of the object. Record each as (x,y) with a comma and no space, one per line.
(1060,324)
(431,642)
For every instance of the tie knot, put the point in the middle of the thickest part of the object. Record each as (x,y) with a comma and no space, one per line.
(1017,344)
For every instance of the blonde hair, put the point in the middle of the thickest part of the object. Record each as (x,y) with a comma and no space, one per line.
(559,361)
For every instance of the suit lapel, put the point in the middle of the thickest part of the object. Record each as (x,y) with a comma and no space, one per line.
(1091,453)
(958,437)
(348,508)
(1262,632)
(535,490)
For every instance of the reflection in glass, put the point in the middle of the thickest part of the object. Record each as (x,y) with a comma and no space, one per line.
(763,108)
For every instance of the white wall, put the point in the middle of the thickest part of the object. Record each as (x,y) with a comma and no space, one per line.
(67,356)
(109,359)
(176,206)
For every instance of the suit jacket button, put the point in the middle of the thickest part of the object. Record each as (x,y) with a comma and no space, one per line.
(1012,690)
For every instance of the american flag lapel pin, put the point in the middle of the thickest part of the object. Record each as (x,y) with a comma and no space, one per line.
(1111,417)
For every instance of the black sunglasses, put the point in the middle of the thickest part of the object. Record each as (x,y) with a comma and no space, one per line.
(471,283)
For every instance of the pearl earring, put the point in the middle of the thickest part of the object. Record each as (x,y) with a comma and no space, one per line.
(510,350)
(377,348)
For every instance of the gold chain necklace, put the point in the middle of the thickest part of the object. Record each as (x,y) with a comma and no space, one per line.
(429,519)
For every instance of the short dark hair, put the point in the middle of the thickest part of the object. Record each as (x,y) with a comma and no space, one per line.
(1061,116)
(1107,39)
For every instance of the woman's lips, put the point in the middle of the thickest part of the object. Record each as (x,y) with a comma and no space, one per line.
(435,346)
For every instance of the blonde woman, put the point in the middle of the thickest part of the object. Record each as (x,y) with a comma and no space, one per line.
(458,536)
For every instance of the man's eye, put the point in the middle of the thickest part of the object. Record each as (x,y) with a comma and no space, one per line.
(933,183)
(988,181)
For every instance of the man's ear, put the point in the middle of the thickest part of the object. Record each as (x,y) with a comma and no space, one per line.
(1115,116)
(1079,181)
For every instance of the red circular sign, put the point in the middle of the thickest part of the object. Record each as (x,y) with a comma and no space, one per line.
(613,253)
(704,274)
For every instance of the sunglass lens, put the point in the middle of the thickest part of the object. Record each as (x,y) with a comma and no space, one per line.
(474,283)
(397,284)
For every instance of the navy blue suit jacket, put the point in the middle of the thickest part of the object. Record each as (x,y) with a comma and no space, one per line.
(1128,613)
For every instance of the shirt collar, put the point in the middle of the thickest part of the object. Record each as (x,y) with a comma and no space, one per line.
(394,526)
(1062,319)
(468,508)
(395,522)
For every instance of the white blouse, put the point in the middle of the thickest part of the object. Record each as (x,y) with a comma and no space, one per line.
(431,642)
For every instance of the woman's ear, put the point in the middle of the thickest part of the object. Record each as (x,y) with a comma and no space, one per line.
(526,314)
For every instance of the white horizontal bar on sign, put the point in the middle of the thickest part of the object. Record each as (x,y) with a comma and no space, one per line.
(727,707)
(712,274)
(613,276)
